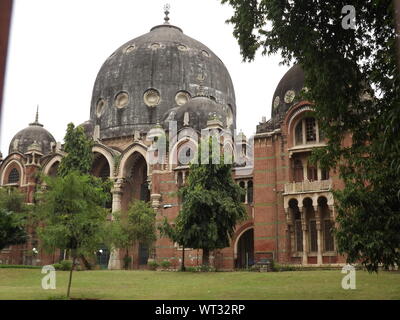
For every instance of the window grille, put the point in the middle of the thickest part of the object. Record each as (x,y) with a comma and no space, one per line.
(13,177)
(310,130)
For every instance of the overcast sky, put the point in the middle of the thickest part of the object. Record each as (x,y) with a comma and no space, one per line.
(58,46)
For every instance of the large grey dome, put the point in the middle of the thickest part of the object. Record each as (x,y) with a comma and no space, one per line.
(34,134)
(152,74)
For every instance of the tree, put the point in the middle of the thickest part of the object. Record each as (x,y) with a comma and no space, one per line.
(79,152)
(353,80)
(72,216)
(79,158)
(211,206)
(12,218)
(135,226)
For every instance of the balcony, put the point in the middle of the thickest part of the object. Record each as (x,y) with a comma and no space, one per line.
(308,186)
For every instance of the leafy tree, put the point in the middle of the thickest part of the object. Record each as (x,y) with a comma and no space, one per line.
(72,216)
(353,80)
(135,226)
(211,206)
(79,152)
(79,158)
(12,217)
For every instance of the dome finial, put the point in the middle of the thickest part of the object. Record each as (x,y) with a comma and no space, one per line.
(37,114)
(36,123)
(166,11)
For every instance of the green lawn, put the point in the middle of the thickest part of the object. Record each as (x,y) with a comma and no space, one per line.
(26,284)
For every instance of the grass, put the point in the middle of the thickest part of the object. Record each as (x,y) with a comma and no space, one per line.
(18,284)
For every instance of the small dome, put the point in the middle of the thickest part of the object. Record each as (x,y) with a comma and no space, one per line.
(197,112)
(287,91)
(33,136)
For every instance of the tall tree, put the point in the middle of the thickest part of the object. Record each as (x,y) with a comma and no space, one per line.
(12,217)
(352,77)
(72,216)
(79,152)
(137,225)
(211,206)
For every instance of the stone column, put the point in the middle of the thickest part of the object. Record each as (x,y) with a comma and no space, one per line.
(318,215)
(332,215)
(304,229)
(290,231)
(115,262)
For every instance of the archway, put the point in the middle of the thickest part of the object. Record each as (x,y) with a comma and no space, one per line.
(245,249)
(101,169)
(136,187)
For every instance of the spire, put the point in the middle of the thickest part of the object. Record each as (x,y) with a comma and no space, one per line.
(37,114)
(166,11)
(36,123)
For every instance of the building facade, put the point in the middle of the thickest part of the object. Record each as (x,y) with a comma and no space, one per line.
(167,82)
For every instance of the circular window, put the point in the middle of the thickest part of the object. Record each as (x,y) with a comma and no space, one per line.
(276,102)
(155,45)
(100,107)
(205,53)
(182,97)
(121,100)
(289,96)
(151,98)
(182,47)
(130,48)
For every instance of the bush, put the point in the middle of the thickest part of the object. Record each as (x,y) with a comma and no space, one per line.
(165,264)
(57,266)
(127,262)
(17,266)
(66,265)
(152,264)
(201,268)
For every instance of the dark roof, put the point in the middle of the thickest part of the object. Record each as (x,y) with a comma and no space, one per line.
(200,109)
(165,59)
(292,80)
(34,134)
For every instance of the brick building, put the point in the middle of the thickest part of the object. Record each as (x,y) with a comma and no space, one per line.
(167,82)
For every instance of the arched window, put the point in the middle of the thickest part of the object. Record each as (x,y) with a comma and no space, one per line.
(307,132)
(250,192)
(328,235)
(298,232)
(298,171)
(243,197)
(14,176)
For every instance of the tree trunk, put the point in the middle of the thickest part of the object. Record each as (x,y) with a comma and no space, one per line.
(70,274)
(88,266)
(183,259)
(206,257)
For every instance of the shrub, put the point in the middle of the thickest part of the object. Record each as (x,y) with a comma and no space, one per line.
(152,264)
(17,266)
(201,268)
(66,265)
(57,266)
(165,264)
(127,262)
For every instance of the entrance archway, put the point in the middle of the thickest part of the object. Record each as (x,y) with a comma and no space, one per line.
(245,249)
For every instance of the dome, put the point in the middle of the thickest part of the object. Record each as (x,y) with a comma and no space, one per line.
(287,91)
(197,112)
(152,74)
(32,137)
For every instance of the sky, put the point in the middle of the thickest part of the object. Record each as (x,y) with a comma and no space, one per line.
(58,46)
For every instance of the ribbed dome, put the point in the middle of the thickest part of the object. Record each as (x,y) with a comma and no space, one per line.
(34,135)
(150,75)
(287,91)
(197,112)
